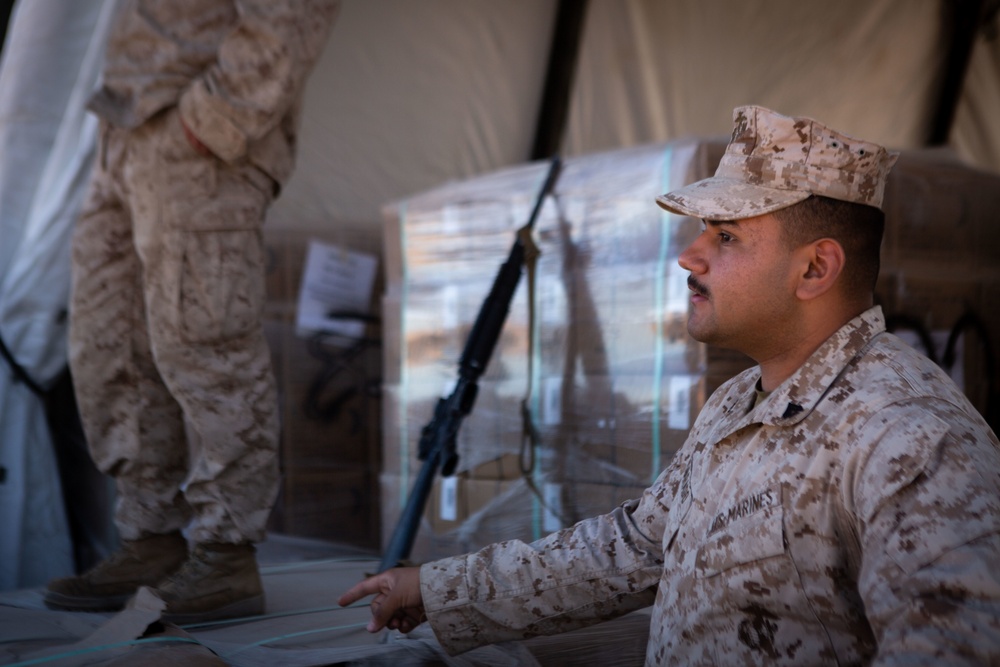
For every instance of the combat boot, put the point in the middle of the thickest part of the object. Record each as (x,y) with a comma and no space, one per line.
(110,583)
(218,581)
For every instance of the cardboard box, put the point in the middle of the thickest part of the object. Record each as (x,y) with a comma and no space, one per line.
(338,504)
(941,210)
(330,406)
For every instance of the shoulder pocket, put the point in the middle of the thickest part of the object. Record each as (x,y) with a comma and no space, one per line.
(924,492)
(906,449)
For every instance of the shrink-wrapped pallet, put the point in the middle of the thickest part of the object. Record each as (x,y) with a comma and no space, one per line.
(615,381)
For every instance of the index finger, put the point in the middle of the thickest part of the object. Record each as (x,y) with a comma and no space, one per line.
(367,587)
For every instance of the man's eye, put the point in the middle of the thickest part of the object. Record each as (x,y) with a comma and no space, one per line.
(724,237)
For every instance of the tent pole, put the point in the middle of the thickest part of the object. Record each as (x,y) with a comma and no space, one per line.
(961,21)
(6,8)
(563,54)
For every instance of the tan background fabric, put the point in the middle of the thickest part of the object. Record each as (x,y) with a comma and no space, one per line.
(411,95)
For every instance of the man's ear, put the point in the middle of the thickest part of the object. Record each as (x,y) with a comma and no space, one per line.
(822,265)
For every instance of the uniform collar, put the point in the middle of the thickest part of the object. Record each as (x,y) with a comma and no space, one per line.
(796,397)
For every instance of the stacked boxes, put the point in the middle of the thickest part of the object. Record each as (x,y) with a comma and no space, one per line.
(940,275)
(329,401)
(614,382)
(602,359)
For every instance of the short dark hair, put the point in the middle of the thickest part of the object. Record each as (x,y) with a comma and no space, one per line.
(857,227)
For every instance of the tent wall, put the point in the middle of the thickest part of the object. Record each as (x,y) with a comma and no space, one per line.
(411,95)
(976,133)
(653,71)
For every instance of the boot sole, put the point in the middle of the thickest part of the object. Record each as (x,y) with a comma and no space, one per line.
(59,601)
(249,607)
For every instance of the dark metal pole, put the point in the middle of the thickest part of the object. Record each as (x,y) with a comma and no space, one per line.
(962,19)
(6,8)
(563,55)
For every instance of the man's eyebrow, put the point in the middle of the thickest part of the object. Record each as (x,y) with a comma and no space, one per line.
(720,223)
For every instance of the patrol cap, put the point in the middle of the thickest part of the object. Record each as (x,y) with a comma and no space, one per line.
(774,161)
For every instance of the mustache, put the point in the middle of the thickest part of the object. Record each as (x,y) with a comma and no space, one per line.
(697,287)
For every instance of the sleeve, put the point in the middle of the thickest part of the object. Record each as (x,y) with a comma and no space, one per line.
(260,72)
(927,502)
(597,570)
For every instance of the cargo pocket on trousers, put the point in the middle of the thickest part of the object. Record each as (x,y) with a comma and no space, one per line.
(222,277)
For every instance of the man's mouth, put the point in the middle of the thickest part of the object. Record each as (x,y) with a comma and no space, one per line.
(697,287)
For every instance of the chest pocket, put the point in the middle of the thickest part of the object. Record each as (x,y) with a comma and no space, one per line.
(748,532)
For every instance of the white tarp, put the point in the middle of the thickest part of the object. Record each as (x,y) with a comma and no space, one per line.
(50,64)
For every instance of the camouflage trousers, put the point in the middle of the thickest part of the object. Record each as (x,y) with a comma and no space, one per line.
(172,372)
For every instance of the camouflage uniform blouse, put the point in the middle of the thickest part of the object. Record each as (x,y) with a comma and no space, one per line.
(236,69)
(852,517)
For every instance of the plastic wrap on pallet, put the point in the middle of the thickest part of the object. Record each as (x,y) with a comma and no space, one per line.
(614,378)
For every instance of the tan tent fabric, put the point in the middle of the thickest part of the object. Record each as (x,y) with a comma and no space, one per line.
(976,132)
(412,95)
(653,71)
(409,95)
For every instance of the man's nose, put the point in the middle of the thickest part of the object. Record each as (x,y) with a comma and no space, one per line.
(691,258)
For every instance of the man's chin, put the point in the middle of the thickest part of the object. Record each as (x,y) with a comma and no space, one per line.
(699,333)
(708,336)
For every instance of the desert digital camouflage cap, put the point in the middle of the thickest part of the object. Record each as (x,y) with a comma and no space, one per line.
(774,161)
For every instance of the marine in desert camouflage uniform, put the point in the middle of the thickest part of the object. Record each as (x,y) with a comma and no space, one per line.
(837,504)
(199,107)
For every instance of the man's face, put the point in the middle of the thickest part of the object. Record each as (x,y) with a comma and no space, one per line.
(742,281)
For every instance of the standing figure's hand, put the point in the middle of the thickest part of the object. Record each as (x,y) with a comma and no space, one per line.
(195,141)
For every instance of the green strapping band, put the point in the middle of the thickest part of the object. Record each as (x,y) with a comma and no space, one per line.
(105,647)
(658,308)
(536,364)
(404,438)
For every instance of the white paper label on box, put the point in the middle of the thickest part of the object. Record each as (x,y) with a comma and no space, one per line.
(335,283)
(449,307)
(551,401)
(449,499)
(451,220)
(679,401)
(551,307)
(553,507)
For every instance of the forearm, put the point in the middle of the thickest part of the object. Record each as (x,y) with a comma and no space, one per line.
(259,74)
(597,570)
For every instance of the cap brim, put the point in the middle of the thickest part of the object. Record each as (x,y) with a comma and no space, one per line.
(726,199)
